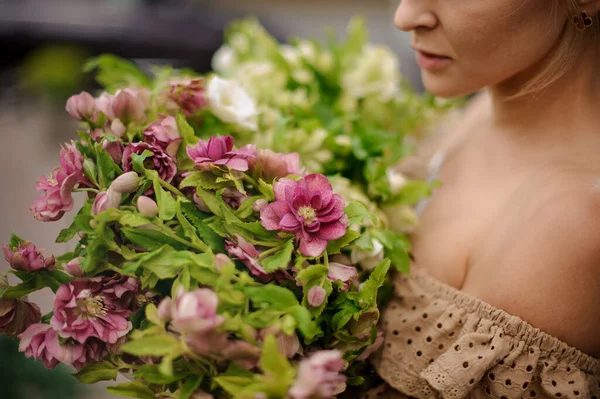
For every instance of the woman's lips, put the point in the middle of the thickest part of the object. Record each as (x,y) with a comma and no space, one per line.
(431,61)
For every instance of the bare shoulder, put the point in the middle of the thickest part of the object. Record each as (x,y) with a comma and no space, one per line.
(546,264)
(442,136)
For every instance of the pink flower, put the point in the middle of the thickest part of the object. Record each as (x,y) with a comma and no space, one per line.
(127,183)
(247,253)
(289,345)
(16,315)
(319,376)
(81,106)
(58,186)
(160,160)
(188,95)
(195,311)
(147,206)
(41,342)
(106,200)
(276,165)
(28,258)
(343,273)
(233,197)
(94,308)
(164,134)
(114,149)
(308,208)
(127,105)
(219,151)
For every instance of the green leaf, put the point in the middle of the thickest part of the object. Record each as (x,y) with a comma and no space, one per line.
(67,234)
(233,384)
(281,258)
(203,179)
(137,161)
(188,230)
(89,171)
(266,190)
(189,386)
(34,283)
(312,273)
(335,247)
(153,345)
(107,169)
(273,362)
(324,283)
(150,239)
(357,212)
(367,296)
(113,72)
(131,390)
(167,205)
(212,239)
(413,192)
(95,372)
(211,201)
(15,241)
(272,296)
(189,138)
(165,262)
(309,328)
(152,374)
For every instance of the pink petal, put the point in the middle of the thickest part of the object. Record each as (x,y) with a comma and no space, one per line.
(237,164)
(332,231)
(312,247)
(341,272)
(289,222)
(317,182)
(271,215)
(280,188)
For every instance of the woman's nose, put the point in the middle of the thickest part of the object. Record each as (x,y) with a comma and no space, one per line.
(413,14)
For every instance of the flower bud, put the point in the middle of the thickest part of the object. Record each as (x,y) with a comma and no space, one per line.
(259,205)
(164,309)
(27,257)
(147,206)
(196,311)
(128,106)
(126,183)
(222,260)
(117,128)
(74,267)
(81,106)
(114,149)
(105,200)
(200,394)
(316,296)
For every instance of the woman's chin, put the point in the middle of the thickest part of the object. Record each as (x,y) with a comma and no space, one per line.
(446,86)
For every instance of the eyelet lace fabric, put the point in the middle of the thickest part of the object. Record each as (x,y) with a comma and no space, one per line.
(443,343)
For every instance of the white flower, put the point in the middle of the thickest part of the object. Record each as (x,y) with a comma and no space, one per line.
(263,80)
(396,179)
(231,103)
(368,260)
(376,73)
(224,59)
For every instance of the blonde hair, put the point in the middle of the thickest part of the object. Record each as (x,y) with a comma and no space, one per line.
(565,54)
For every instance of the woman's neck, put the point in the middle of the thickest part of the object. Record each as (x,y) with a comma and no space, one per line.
(567,107)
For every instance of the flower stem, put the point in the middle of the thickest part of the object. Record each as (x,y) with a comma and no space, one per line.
(249,179)
(87,190)
(170,188)
(269,251)
(326,259)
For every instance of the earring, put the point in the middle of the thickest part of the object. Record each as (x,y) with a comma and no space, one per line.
(583,21)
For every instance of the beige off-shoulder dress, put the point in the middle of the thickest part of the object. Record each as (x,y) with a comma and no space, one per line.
(443,343)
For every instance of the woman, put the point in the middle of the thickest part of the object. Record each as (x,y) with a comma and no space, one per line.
(504,293)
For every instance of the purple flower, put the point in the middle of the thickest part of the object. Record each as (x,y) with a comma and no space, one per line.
(94,308)
(308,208)
(219,151)
(194,312)
(81,106)
(343,273)
(106,200)
(41,342)
(276,165)
(247,253)
(188,95)
(28,258)
(319,376)
(164,134)
(159,160)
(16,315)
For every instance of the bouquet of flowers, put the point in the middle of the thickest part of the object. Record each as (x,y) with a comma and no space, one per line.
(205,269)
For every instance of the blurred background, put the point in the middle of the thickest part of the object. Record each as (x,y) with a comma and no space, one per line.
(43,44)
